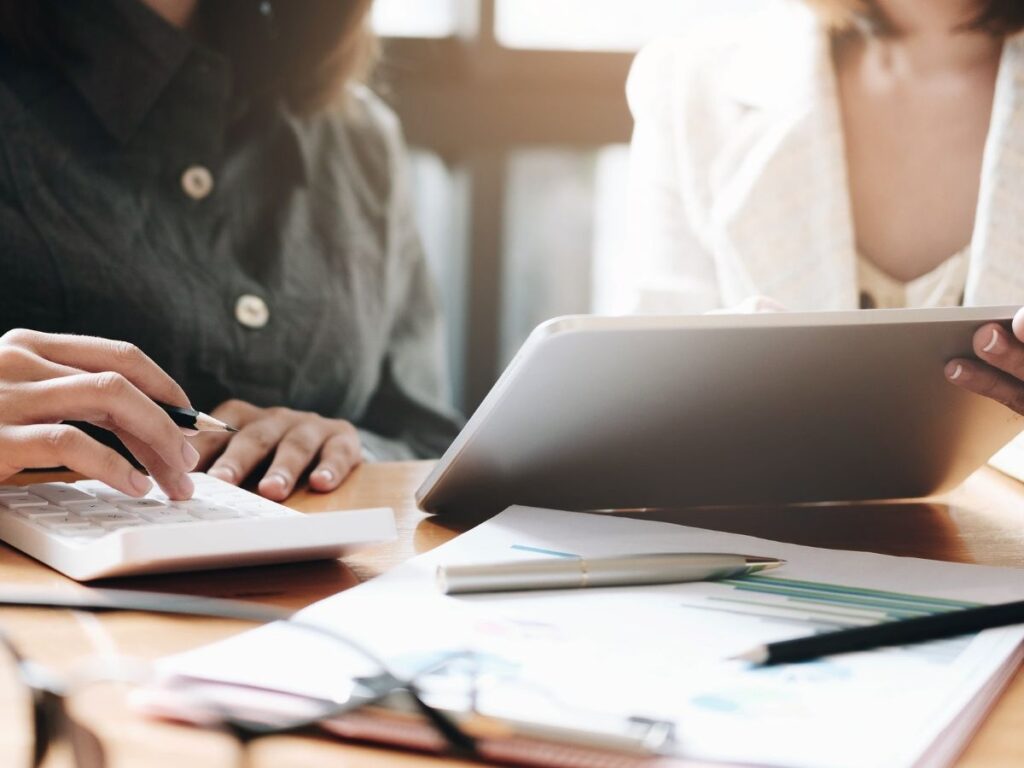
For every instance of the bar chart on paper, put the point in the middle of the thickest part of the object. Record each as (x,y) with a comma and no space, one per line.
(829,607)
(818,606)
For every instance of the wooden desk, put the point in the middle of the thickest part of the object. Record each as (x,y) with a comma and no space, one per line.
(981,522)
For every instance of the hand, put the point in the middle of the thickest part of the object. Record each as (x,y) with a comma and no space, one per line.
(999,371)
(49,378)
(296,440)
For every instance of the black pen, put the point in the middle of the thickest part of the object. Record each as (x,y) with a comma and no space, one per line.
(936,627)
(187,418)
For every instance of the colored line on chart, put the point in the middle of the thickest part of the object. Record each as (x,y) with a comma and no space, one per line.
(826,607)
(541,551)
(817,586)
(804,619)
(893,605)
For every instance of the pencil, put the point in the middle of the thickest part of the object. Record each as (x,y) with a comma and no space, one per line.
(186,418)
(937,627)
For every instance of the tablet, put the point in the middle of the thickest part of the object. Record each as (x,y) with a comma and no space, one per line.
(668,412)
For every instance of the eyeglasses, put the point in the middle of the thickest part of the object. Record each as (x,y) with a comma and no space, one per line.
(495,689)
(44,701)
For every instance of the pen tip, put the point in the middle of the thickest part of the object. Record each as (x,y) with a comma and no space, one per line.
(757,564)
(757,655)
(229,428)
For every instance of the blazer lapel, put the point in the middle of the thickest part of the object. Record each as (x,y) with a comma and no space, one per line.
(781,222)
(996,274)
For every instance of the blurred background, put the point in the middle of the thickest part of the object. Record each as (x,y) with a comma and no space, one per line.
(516,116)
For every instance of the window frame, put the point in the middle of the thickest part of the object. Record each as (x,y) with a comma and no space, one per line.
(473,102)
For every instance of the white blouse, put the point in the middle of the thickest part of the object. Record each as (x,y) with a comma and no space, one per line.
(738,182)
(942,287)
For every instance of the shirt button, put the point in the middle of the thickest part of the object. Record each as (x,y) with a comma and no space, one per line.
(251,311)
(197,182)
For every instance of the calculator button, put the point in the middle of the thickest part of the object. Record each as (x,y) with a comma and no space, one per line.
(114,515)
(113,525)
(28,500)
(8,491)
(167,516)
(205,510)
(94,507)
(50,510)
(136,504)
(216,513)
(114,497)
(61,494)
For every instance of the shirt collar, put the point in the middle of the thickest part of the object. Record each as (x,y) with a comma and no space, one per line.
(120,57)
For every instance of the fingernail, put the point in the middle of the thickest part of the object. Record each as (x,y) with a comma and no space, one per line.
(324,475)
(140,483)
(223,473)
(955,373)
(276,479)
(991,346)
(274,486)
(184,488)
(190,454)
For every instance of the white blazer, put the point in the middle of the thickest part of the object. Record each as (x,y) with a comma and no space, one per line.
(738,180)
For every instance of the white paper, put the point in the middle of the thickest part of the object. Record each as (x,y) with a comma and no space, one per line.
(575,656)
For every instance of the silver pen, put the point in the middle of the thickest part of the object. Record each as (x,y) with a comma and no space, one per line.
(579,572)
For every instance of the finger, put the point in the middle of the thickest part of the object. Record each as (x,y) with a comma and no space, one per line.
(1000,349)
(175,483)
(237,413)
(210,445)
(985,380)
(296,451)
(96,355)
(248,447)
(109,400)
(18,364)
(56,445)
(339,456)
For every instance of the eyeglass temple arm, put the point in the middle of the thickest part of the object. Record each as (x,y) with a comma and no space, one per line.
(109,600)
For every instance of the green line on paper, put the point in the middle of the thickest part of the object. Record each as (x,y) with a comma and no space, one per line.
(878,615)
(766,582)
(773,617)
(806,596)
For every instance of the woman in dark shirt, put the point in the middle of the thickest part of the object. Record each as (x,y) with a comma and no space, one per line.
(206,181)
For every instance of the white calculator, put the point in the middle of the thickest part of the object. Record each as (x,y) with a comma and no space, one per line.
(86,530)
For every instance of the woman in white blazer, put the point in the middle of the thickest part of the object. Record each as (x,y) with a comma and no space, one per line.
(838,154)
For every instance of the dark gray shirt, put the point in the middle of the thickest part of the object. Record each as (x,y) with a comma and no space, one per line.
(252,252)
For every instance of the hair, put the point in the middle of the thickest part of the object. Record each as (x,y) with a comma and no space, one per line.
(305,51)
(997,17)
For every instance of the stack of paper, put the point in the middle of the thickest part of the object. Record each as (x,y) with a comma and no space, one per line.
(1010,459)
(660,653)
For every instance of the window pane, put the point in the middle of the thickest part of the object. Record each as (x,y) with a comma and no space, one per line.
(440,200)
(614,25)
(613,270)
(419,18)
(549,222)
